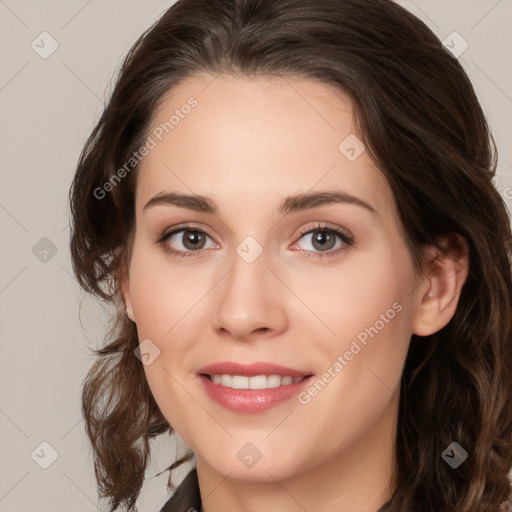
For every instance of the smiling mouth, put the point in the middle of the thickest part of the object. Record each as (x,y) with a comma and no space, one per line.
(254,382)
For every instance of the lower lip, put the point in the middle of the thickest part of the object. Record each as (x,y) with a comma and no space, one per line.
(252,400)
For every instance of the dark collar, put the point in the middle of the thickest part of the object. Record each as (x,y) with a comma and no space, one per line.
(187,497)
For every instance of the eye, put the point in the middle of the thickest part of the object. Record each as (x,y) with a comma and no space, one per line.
(325,239)
(185,240)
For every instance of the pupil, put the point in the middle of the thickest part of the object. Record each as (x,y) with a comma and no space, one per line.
(192,240)
(323,238)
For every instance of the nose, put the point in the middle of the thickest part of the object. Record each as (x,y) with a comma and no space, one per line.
(250,303)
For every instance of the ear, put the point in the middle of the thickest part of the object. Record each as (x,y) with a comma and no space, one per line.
(444,275)
(124,281)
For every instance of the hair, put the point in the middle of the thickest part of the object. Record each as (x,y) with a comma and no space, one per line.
(421,122)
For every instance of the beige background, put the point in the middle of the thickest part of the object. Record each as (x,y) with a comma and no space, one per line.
(48,107)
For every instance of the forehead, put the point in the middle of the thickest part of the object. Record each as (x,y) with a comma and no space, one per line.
(232,137)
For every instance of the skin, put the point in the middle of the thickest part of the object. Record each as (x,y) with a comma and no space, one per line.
(247,145)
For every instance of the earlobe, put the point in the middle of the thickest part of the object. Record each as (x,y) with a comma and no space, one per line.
(129,312)
(445,274)
(125,289)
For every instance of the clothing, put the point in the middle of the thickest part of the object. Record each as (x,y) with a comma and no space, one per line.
(187,497)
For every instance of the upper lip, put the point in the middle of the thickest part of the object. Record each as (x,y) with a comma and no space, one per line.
(250,370)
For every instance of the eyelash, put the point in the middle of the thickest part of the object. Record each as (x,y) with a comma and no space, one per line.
(345,238)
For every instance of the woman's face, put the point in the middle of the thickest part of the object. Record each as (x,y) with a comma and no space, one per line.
(261,277)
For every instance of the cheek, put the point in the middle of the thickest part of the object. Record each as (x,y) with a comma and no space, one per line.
(370,310)
(172,395)
(163,298)
(161,293)
(370,293)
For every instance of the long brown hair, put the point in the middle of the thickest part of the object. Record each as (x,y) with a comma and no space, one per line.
(420,119)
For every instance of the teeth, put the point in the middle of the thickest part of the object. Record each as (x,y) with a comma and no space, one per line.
(256,382)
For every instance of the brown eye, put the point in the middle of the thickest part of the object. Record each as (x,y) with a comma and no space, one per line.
(186,240)
(323,239)
(193,240)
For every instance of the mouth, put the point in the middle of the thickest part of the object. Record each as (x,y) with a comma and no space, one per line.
(251,388)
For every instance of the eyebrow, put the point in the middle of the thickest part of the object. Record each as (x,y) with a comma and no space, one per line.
(293,203)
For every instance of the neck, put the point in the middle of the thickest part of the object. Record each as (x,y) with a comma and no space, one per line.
(357,479)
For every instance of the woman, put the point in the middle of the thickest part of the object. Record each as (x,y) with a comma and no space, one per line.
(290,203)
